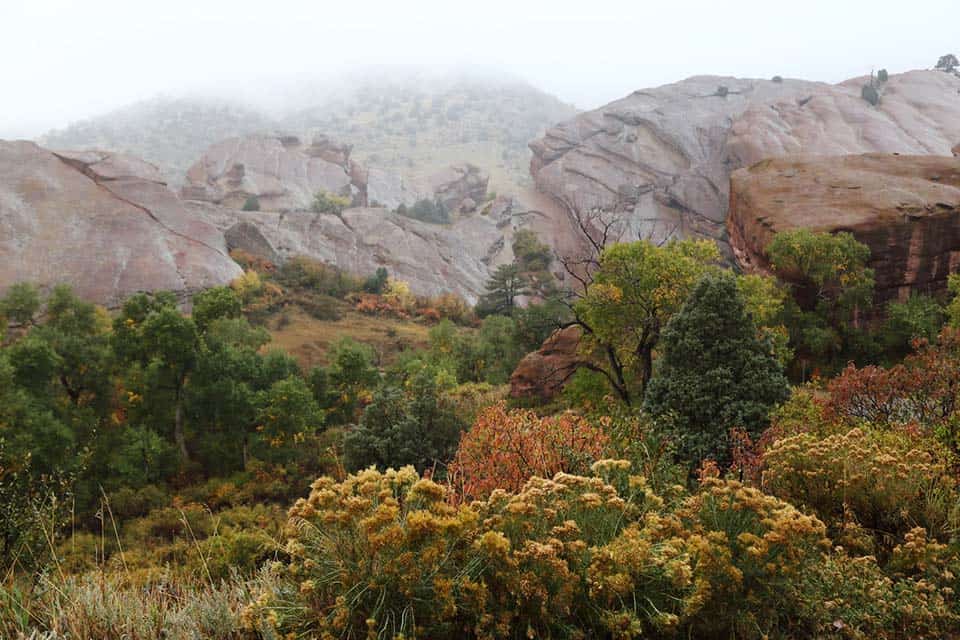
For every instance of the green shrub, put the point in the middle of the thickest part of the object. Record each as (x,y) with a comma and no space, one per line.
(252,203)
(426,210)
(326,202)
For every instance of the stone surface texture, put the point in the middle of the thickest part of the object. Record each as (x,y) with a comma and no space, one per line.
(661,158)
(542,373)
(103,223)
(905,208)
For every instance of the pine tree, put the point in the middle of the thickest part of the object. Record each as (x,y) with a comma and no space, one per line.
(503,288)
(715,374)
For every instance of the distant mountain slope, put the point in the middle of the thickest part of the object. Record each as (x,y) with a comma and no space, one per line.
(168,132)
(414,124)
(419,125)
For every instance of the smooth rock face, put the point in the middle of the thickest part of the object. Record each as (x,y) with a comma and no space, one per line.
(542,373)
(661,158)
(282,172)
(432,258)
(103,223)
(905,208)
(247,237)
(285,175)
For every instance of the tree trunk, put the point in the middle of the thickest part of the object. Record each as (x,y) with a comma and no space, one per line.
(178,434)
(646,358)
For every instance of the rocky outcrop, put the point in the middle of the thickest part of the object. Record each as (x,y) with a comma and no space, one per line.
(432,258)
(660,159)
(905,208)
(956,150)
(246,236)
(543,373)
(459,188)
(285,175)
(282,172)
(103,223)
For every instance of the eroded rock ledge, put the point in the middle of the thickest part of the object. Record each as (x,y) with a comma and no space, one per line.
(905,208)
(661,158)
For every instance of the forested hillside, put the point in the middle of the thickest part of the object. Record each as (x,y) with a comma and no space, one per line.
(711,466)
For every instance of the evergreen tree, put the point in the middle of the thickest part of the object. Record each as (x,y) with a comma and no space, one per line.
(715,374)
(503,288)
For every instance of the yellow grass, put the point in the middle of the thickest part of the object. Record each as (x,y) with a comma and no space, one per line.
(308,339)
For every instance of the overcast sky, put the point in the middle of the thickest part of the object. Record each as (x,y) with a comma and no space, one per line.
(62,60)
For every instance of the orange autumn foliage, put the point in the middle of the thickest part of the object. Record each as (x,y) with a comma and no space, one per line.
(504,449)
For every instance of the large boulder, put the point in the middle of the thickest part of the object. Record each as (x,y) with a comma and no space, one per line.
(103,223)
(542,373)
(905,208)
(660,159)
(247,237)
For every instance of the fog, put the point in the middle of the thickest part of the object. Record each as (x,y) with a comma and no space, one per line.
(63,60)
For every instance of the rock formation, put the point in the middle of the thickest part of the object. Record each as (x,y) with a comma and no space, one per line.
(459,188)
(103,223)
(285,175)
(661,158)
(543,373)
(246,236)
(282,172)
(432,258)
(905,208)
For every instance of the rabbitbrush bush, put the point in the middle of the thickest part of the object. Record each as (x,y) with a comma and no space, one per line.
(869,486)
(388,555)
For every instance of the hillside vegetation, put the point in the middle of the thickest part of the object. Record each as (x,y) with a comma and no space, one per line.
(170,475)
(168,132)
(413,125)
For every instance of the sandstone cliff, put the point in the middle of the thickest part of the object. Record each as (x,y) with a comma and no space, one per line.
(285,174)
(282,172)
(905,208)
(103,223)
(433,258)
(661,158)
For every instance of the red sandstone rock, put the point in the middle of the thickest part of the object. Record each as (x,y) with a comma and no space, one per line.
(543,373)
(661,158)
(905,208)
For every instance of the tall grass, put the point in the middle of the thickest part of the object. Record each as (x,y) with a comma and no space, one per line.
(105,606)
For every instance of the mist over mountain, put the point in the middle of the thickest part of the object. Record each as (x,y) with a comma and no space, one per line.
(416,122)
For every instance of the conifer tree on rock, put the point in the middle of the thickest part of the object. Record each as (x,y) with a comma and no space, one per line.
(503,288)
(715,374)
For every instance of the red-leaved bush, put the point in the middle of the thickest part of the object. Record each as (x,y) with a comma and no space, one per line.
(922,390)
(504,449)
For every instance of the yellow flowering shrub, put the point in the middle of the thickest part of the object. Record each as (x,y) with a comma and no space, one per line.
(378,555)
(390,555)
(864,481)
(545,534)
(722,565)
(847,597)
